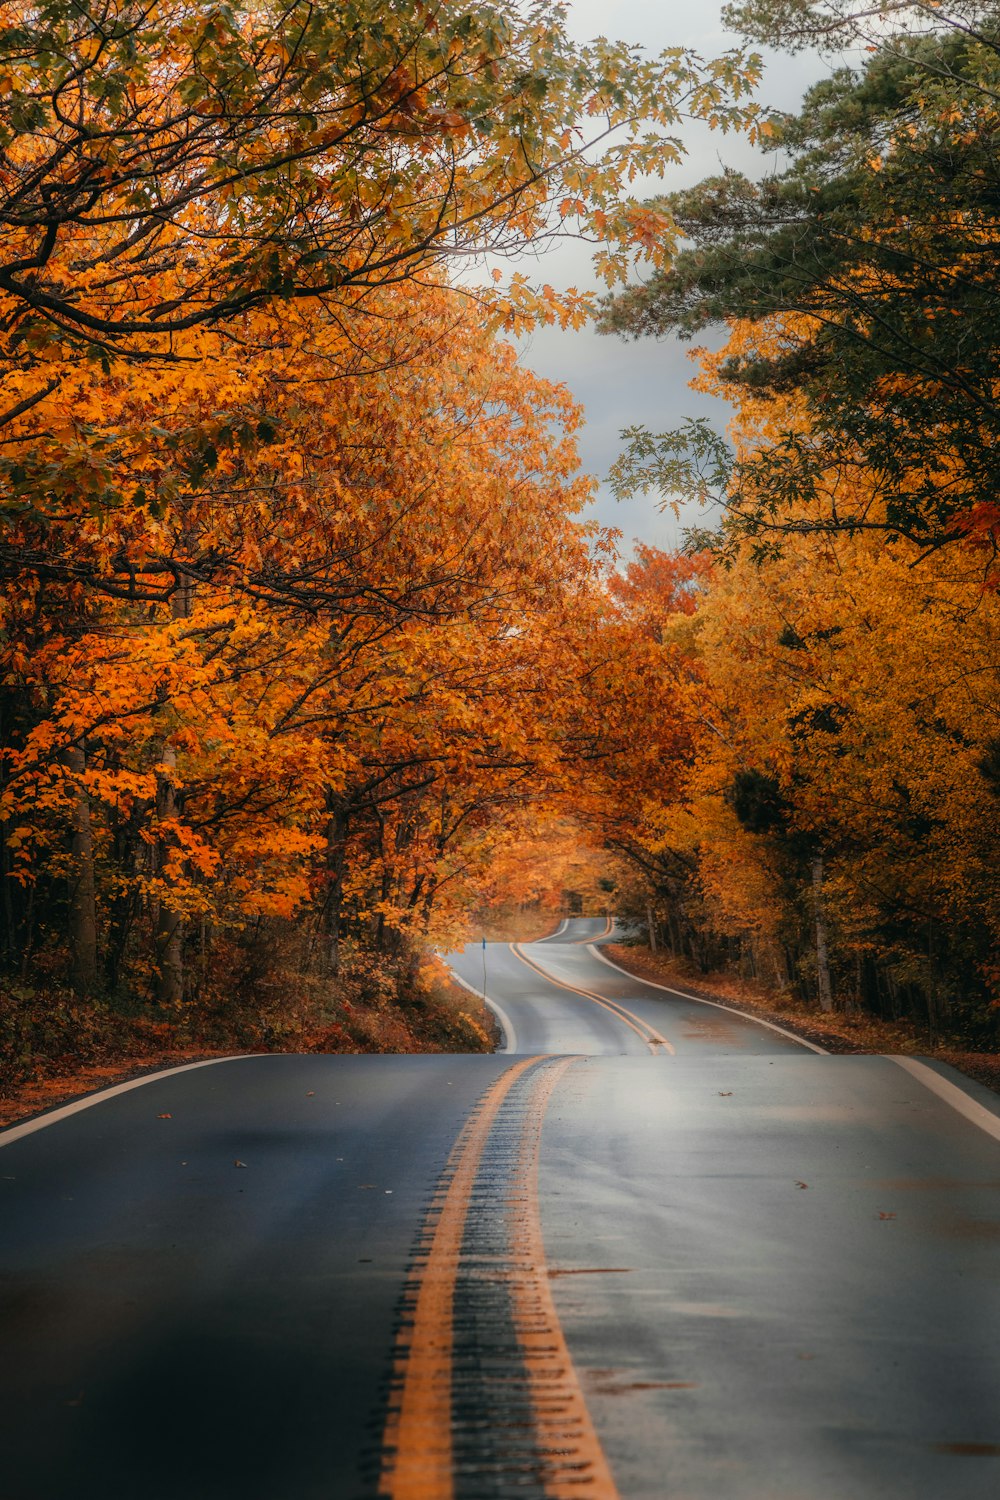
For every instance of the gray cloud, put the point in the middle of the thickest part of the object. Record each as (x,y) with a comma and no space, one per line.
(622,384)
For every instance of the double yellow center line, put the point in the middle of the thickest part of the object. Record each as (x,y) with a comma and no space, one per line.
(657,1044)
(419,1440)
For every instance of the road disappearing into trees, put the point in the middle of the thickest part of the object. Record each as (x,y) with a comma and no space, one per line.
(654,1251)
(536,991)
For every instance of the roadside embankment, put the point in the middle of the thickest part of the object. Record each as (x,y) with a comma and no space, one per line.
(55,1046)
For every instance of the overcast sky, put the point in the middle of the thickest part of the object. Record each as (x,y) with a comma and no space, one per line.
(621,384)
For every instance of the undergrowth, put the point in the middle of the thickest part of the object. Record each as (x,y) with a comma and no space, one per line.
(241,1004)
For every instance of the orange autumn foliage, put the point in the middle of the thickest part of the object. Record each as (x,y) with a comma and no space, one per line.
(836,821)
(242,761)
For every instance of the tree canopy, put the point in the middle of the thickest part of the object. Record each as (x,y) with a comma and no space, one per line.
(170,164)
(298,614)
(206,207)
(871,257)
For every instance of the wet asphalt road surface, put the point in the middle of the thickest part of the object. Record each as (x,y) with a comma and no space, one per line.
(716,1264)
(546,1016)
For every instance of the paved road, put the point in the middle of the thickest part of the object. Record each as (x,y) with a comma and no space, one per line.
(713,1264)
(561,995)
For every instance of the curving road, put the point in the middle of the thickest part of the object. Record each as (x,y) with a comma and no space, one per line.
(537,990)
(654,1250)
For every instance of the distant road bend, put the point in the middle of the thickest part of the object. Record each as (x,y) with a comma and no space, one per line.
(654,1250)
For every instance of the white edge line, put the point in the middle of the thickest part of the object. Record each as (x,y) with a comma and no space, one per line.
(667,990)
(586,941)
(951,1094)
(575,942)
(8,1137)
(616,1007)
(506,1024)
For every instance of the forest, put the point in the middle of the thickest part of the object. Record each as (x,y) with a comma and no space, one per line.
(309,660)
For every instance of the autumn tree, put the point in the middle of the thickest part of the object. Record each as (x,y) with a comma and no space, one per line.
(871,259)
(853,717)
(237,763)
(636,726)
(287,151)
(837,805)
(173,167)
(288,539)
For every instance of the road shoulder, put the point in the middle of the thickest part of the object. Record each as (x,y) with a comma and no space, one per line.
(839,1033)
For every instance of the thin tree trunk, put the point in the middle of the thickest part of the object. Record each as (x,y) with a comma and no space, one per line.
(6,874)
(82,898)
(129,853)
(651,923)
(28,944)
(822,959)
(9,945)
(336,850)
(793,974)
(169,923)
(674,934)
(379,927)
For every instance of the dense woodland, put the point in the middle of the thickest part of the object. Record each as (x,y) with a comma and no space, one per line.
(300,631)
(839,829)
(306,657)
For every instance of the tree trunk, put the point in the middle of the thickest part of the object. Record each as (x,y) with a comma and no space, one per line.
(82,898)
(169,923)
(9,943)
(28,943)
(675,935)
(130,856)
(822,959)
(12,905)
(336,849)
(377,921)
(651,923)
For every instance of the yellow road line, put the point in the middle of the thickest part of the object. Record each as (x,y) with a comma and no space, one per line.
(642,1029)
(418,1461)
(576,1468)
(417,1441)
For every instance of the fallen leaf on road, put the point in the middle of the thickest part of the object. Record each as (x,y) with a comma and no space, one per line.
(802,1184)
(310,1093)
(239,1163)
(885,1216)
(727,1094)
(164,1117)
